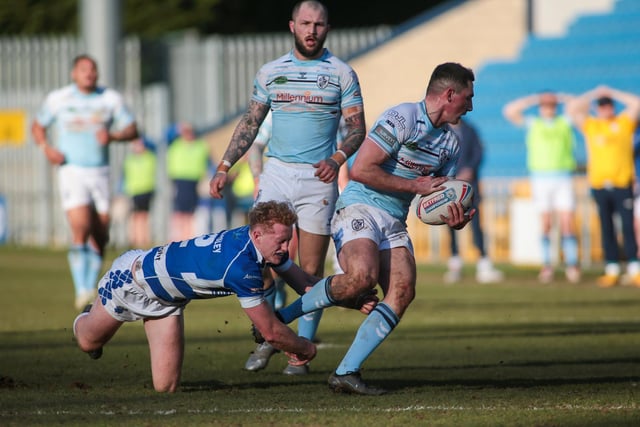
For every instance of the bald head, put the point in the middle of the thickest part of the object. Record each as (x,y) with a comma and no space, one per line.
(311,4)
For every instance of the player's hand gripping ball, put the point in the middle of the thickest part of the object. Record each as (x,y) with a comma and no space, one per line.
(432,206)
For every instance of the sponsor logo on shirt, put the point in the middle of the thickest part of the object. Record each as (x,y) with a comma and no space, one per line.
(423,169)
(384,135)
(395,119)
(306,97)
(250,277)
(411,145)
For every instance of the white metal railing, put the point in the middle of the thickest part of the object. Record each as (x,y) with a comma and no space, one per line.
(209,80)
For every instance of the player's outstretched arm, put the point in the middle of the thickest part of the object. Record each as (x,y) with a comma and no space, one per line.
(280,335)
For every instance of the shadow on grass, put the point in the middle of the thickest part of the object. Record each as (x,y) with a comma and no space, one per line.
(399,385)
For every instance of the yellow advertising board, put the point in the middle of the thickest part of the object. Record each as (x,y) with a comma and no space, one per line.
(13,125)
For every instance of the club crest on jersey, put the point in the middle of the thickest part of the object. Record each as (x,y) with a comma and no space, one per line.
(323,81)
(444,156)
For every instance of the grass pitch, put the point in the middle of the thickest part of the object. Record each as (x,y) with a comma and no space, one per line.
(514,354)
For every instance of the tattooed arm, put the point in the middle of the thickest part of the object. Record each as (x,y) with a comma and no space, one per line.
(355,131)
(327,170)
(242,138)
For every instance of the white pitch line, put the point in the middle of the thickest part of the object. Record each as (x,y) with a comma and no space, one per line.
(412,408)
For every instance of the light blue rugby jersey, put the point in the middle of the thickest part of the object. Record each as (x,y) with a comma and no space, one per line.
(306,99)
(415,149)
(208,266)
(78,116)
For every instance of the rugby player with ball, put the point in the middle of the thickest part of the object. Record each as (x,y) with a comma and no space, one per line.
(409,151)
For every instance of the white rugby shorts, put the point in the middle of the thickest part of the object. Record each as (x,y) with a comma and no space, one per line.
(360,221)
(553,193)
(313,200)
(82,186)
(124,299)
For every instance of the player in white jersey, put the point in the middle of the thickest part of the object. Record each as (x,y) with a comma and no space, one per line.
(307,91)
(86,118)
(157,284)
(408,151)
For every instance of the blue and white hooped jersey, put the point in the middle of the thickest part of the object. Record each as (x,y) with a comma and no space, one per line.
(415,149)
(208,266)
(78,117)
(306,100)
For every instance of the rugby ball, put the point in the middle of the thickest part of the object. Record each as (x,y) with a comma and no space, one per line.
(430,207)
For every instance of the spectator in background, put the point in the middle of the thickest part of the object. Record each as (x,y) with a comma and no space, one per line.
(610,171)
(242,187)
(87,117)
(551,163)
(307,90)
(467,168)
(187,162)
(636,188)
(139,172)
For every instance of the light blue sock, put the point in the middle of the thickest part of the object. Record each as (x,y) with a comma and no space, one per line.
(570,249)
(77,264)
(317,298)
(546,250)
(308,324)
(280,293)
(94,266)
(375,329)
(270,295)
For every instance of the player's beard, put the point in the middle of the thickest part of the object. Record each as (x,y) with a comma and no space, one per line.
(306,52)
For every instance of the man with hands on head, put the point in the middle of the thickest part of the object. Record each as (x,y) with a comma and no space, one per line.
(551,163)
(610,171)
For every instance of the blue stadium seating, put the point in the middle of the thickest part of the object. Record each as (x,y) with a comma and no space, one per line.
(597,49)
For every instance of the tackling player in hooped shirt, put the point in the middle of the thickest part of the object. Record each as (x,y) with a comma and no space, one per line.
(155,286)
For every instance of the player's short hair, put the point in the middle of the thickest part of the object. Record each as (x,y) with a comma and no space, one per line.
(272,212)
(449,74)
(82,57)
(314,4)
